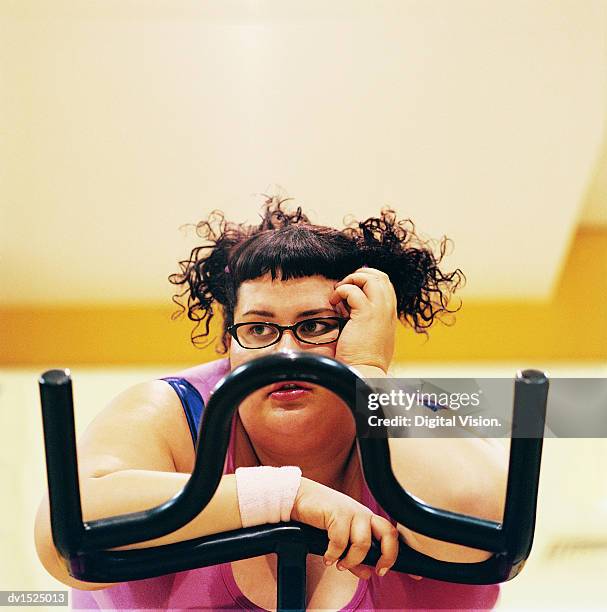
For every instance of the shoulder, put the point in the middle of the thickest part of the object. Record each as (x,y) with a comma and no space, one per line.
(203,378)
(151,401)
(140,428)
(170,418)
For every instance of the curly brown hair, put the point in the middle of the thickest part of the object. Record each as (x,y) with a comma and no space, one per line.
(288,245)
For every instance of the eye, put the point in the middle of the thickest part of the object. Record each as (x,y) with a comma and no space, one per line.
(311,326)
(258,329)
(318,327)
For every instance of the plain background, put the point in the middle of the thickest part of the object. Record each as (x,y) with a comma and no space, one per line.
(121,121)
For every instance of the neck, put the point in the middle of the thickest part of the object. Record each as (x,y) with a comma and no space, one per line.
(341,471)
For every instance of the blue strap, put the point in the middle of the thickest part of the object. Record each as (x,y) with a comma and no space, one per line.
(191,400)
(434,407)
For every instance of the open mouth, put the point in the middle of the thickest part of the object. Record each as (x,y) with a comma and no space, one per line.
(289,390)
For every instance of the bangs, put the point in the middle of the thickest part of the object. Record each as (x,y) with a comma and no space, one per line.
(295,252)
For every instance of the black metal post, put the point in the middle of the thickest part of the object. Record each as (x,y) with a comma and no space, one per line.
(291,576)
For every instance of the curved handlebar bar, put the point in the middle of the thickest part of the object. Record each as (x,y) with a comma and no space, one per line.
(84,544)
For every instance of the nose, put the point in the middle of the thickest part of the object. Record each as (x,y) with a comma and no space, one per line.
(287,342)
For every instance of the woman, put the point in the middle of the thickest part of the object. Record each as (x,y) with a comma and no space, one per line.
(289,285)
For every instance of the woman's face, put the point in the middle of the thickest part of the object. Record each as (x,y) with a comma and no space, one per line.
(297,421)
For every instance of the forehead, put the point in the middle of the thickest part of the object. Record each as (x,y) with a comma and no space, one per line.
(279,295)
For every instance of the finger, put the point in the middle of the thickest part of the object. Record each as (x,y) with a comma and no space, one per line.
(374,287)
(387,534)
(342,309)
(414,576)
(372,271)
(361,278)
(360,541)
(353,295)
(339,538)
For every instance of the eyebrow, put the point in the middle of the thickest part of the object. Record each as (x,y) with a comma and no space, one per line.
(305,313)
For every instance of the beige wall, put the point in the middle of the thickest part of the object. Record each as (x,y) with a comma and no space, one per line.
(121,121)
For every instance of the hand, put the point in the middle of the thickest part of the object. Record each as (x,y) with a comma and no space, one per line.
(346,522)
(367,295)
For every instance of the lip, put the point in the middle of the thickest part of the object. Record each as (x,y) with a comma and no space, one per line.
(277,386)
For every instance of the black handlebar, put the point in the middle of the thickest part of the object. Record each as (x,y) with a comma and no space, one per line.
(84,544)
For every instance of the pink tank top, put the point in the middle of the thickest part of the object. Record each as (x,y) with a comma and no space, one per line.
(214,588)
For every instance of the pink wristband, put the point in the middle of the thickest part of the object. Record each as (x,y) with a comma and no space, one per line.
(266,494)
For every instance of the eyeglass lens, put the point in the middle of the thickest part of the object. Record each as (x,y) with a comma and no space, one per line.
(313,331)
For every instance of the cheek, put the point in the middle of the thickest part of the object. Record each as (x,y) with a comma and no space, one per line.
(249,408)
(331,348)
(239,355)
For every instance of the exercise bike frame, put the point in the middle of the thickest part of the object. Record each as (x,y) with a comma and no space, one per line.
(84,544)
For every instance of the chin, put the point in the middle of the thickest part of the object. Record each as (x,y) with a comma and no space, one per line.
(298,406)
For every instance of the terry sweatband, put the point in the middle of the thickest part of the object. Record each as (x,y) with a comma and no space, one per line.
(266,494)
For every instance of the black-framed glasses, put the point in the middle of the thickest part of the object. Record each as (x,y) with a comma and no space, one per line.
(261,334)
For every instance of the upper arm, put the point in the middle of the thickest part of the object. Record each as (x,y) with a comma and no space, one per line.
(463,475)
(135,431)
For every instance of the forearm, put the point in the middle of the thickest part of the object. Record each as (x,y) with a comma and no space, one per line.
(129,491)
(135,490)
